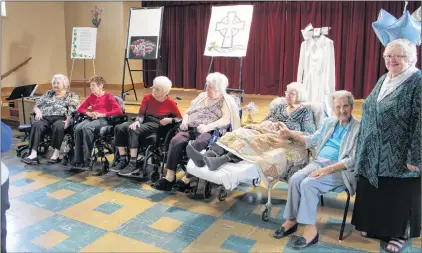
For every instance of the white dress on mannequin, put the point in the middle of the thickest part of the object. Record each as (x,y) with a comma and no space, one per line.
(317,70)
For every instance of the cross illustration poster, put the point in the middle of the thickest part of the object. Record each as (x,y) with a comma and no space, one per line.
(228,32)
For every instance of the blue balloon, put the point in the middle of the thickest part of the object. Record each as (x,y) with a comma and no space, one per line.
(384,20)
(405,28)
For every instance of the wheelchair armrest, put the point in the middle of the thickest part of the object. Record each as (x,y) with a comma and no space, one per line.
(117,119)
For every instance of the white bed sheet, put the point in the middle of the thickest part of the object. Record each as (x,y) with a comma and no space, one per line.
(230,175)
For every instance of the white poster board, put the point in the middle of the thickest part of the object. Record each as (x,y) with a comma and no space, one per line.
(84,42)
(3,8)
(144,32)
(228,32)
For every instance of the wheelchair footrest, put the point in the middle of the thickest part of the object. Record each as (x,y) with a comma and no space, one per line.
(25,128)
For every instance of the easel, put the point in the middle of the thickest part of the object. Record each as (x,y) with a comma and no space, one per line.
(138,31)
(143,70)
(85,81)
(240,69)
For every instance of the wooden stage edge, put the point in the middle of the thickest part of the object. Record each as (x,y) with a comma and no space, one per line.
(185,95)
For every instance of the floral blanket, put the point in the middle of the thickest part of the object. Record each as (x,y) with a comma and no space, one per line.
(263,146)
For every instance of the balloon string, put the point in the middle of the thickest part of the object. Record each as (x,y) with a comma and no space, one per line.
(405,7)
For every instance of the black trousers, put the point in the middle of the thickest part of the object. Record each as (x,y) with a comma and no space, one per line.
(5,204)
(179,142)
(125,137)
(84,137)
(39,127)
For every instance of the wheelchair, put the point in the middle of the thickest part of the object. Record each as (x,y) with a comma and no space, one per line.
(23,151)
(152,150)
(103,140)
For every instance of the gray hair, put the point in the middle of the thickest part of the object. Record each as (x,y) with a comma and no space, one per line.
(408,48)
(162,82)
(302,94)
(342,94)
(217,80)
(66,83)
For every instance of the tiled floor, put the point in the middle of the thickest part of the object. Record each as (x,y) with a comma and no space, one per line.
(54,210)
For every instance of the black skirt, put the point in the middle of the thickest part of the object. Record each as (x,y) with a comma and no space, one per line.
(386,211)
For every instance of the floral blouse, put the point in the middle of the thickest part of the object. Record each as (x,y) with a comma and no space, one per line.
(50,105)
(300,120)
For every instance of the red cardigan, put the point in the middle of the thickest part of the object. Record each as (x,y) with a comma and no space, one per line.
(106,104)
(152,106)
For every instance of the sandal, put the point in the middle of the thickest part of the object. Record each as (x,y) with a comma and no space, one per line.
(54,161)
(395,245)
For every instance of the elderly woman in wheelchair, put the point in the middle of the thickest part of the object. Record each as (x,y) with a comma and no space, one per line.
(156,109)
(211,110)
(291,114)
(333,167)
(52,111)
(103,104)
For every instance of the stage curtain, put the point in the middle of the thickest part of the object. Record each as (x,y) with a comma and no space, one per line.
(274,43)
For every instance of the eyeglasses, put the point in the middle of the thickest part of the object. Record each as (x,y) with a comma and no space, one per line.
(395,56)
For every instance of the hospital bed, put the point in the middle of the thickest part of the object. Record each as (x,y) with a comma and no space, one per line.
(230,175)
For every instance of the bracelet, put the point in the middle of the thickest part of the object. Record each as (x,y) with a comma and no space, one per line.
(173,120)
(332,169)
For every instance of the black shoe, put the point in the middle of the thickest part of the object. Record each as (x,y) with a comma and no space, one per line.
(30,161)
(120,166)
(163,185)
(127,170)
(282,232)
(301,242)
(182,186)
(54,161)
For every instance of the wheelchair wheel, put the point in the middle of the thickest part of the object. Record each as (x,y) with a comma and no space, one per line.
(24,154)
(207,190)
(191,192)
(222,193)
(266,214)
(256,181)
(106,166)
(155,175)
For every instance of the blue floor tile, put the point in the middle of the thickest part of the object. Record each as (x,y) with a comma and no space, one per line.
(133,189)
(40,197)
(238,244)
(193,224)
(22,182)
(108,208)
(80,234)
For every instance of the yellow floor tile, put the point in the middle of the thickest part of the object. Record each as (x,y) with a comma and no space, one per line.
(212,239)
(84,212)
(61,194)
(41,180)
(166,224)
(104,183)
(112,242)
(49,239)
(416,242)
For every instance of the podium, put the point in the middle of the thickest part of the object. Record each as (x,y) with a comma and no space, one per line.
(23,92)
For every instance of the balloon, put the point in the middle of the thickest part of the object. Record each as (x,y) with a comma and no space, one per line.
(417,15)
(405,28)
(384,20)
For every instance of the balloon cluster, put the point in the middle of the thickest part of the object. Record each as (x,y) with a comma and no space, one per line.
(388,28)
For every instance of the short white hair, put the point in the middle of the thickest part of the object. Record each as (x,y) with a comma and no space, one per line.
(302,94)
(66,83)
(408,48)
(342,94)
(163,83)
(217,80)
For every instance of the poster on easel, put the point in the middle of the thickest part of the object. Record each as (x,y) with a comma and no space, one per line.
(228,32)
(84,42)
(144,33)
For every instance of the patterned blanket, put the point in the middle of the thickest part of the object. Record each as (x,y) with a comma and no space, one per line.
(257,144)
